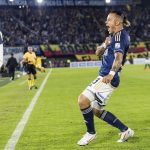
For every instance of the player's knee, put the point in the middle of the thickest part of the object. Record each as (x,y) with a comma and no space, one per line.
(83,101)
(98,112)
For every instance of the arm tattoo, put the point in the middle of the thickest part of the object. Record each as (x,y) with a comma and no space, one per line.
(117,61)
(100,51)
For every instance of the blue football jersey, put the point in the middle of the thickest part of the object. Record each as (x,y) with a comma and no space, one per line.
(120,42)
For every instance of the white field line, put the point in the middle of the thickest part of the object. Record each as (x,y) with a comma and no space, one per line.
(19,129)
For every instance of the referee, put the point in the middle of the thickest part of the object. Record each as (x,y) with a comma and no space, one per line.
(30,58)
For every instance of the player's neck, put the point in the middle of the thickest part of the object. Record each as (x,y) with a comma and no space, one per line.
(118,29)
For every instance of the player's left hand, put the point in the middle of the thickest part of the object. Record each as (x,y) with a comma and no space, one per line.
(107,79)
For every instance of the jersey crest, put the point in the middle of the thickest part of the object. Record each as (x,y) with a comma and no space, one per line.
(117,45)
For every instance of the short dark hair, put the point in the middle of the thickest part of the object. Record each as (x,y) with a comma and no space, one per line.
(117,12)
(126,22)
(30,47)
(12,54)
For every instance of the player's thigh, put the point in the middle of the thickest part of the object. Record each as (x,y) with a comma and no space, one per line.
(89,95)
(100,91)
(29,69)
(83,101)
(33,70)
(86,97)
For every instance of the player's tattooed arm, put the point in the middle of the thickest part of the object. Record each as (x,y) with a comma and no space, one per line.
(117,61)
(116,65)
(101,49)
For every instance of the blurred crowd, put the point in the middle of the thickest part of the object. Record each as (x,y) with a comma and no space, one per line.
(33,26)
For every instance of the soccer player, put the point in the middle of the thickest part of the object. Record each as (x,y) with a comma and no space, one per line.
(39,64)
(30,58)
(93,99)
(147,60)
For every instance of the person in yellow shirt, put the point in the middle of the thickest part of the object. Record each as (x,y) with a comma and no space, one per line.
(30,58)
(39,64)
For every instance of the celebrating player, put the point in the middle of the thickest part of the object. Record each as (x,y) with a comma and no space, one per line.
(93,99)
(30,58)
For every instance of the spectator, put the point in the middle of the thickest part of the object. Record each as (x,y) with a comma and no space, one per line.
(67,24)
(11,65)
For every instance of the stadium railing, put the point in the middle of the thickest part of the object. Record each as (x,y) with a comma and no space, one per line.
(98,63)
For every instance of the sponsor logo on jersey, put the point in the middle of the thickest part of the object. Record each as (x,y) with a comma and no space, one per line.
(117,45)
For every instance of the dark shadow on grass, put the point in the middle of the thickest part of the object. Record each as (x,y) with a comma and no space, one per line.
(4,81)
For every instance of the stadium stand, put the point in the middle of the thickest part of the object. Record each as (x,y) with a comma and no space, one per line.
(65,32)
(66,25)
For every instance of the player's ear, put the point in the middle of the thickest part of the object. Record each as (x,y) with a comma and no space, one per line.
(117,22)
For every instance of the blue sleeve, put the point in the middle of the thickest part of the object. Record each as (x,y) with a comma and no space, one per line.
(119,43)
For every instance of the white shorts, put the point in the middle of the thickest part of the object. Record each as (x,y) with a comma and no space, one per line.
(98,92)
(147,61)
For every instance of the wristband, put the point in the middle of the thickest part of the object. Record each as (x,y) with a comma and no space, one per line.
(104,45)
(112,73)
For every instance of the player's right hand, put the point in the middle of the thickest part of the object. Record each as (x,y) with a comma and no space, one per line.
(98,48)
(107,40)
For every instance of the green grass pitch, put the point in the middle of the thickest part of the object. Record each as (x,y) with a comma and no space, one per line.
(56,122)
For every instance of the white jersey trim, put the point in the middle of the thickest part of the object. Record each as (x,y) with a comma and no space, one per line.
(117,36)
